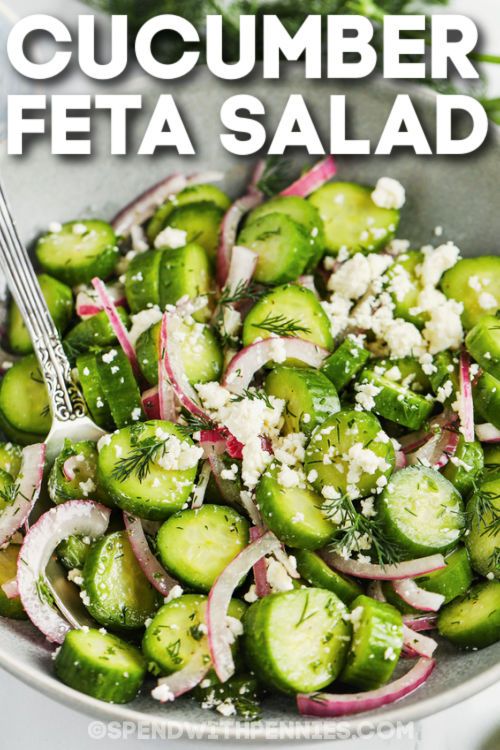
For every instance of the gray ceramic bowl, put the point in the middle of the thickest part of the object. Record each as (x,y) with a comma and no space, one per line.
(460,195)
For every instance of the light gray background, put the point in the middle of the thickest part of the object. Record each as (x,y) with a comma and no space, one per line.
(28,718)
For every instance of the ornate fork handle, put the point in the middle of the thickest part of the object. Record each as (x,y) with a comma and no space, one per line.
(65,400)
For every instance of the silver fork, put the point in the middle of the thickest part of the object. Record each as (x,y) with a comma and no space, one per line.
(69,419)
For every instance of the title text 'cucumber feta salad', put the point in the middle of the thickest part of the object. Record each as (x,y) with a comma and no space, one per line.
(301,470)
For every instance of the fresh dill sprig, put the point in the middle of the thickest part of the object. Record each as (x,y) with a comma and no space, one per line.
(243,292)
(138,462)
(484,511)
(9,492)
(275,177)
(253,395)
(194,424)
(280,325)
(494,560)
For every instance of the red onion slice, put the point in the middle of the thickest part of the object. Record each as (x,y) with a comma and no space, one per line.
(201,486)
(406,569)
(69,467)
(241,268)
(420,622)
(174,368)
(437,451)
(414,440)
(488,433)
(117,325)
(166,395)
(415,644)
(75,517)
(150,400)
(229,230)
(220,596)
(425,601)
(401,461)
(87,304)
(150,566)
(181,682)
(249,360)
(313,179)
(375,591)
(29,482)
(465,402)
(307,281)
(262,587)
(10,589)
(328,704)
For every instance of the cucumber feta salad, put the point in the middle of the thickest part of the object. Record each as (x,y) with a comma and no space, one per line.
(300,471)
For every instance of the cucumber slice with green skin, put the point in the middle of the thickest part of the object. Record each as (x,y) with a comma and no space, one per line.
(350,440)
(24,401)
(293,513)
(12,608)
(101,665)
(59,299)
(297,641)
(465,467)
(345,363)
(142,281)
(376,643)
(97,404)
(185,272)
(79,251)
(141,486)
(199,351)
(301,211)
(483,342)
(473,621)
(288,310)
(446,368)
(410,373)
(491,458)
(196,545)
(486,394)
(283,248)
(201,221)
(21,437)
(397,403)
(308,394)
(93,332)
(316,572)
(405,287)
(468,280)
(351,219)
(178,631)
(452,581)
(8,489)
(421,512)
(191,194)
(84,467)
(396,601)
(115,590)
(241,692)
(72,552)
(483,539)
(10,458)
(119,387)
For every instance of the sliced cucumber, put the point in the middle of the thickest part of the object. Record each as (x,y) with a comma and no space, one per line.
(349,452)
(452,581)
(293,513)
(12,608)
(10,458)
(405,287)
(491,458)
(297,641)
(468,280)
(308,394)
(421,512)
(115,590)
(178,631)
(405,370)
(93,332)
(301,211)
(466,466)
(376,643)
(289,310)
(483,342)
(201,221)
(445,366)
(79,251)
(59,299)
(240,693)
(486,393)
(397,403)
(284,250)
(483,539)
(72,552)
(142,281)
(119,387)
(316,572)
(24,402)
(193,194)
(185,272)
(83,465)
(129,472)
(97,404)
(351,218)
(473,621)
(196,545)
(101,665)
(345,362)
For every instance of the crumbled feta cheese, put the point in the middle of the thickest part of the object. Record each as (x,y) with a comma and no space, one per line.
(436,262)
(365,393)
(174,593)
(251,595)
(170,237)
(162,693)
(277,577)
(87,487)
(142,321)
(108,357)
(388,193)
(487,301)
